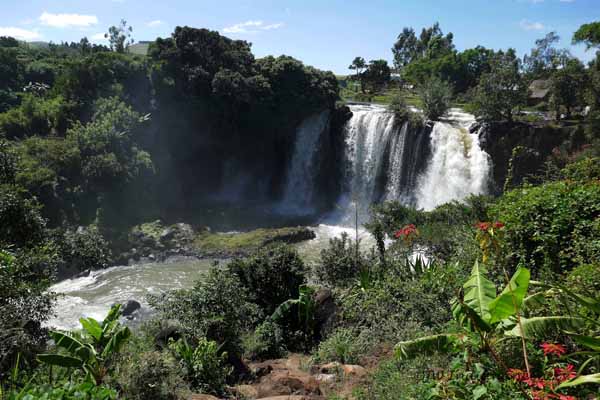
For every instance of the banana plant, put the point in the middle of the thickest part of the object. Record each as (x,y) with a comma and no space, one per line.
(479,310)
(306,309)
(92,349)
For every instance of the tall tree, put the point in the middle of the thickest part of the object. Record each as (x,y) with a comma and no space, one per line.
(358,64)
(501,90)
(545,57)
(567,86)
(119,37)
(377,75)
(406,48)
(588,34)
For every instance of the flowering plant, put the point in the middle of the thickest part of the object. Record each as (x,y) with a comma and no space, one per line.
(543,388)
(407,234)
(488,236)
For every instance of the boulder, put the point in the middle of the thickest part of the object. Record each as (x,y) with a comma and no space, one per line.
(203,397)
(246,391)
(177,235)
(282,382)
(355,371)
(326,378)
(130,307)
(325,313)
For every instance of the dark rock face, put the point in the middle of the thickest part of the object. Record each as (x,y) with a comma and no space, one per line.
(130,307)
(529,146)
(326,311)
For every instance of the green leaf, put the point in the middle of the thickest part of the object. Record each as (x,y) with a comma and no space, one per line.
(469,318)
(426,345)
(479,292)
(509,302)
(116,341)
(66,341)
(60,360)
(593,378)
(534,301)
(479,392)
(92,327)
(541,327)
(587,341)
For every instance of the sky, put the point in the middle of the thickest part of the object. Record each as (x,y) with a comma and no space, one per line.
(327,34)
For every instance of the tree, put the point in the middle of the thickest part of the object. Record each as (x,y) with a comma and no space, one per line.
(588,34)
(358,64)
(433,42)
(435,96)
(377,75)
(406,48)
(566,87)
(544,57)
(501,90)
(119,37)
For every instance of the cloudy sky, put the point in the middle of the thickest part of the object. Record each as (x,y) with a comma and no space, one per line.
(324,33)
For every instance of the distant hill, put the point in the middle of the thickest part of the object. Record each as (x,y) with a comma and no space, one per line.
(140,48)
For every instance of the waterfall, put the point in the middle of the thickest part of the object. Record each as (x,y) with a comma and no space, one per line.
(369,133)
(385,161)
(458,167)
(300,183)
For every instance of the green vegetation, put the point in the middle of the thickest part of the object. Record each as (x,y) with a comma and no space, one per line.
(246,242)
(501,293)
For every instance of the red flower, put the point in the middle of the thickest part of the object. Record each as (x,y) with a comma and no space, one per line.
(498,225)
(565,397)
(565,374)
(406,232)
(483,226)
(517,374)
(553,348)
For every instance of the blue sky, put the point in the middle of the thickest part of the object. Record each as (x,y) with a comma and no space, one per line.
(325,33)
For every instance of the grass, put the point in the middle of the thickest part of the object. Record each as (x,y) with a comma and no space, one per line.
(248,241)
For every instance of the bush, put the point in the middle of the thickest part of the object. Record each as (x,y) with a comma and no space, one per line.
(435,97)
(394,309)
(64,391)
(81,250)
(344,346)
(271,276)
(339,265)
(205,366)
(21,224)
(217,308)
(153,375)
(267,341)
(553,227)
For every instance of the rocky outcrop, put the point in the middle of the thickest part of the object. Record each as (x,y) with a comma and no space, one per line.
(528,145)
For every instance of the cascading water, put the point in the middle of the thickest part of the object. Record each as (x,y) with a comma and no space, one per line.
(382,159)
(458,167)
(298,194)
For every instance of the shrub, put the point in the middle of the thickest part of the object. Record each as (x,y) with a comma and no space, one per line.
(394,308)
(435,97)
(217,308)
(344,346)
(21,224)
(64,391)
(205,366)
(552,227)
(82,249)
(271,276)
(153,375)
(339,265)
(267,341)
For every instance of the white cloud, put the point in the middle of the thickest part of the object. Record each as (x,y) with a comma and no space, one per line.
(98,37)
(531,25)
(252,27)
(155,23)
(68,20)
(19,33)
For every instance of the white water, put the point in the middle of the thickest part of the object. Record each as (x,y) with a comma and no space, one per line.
(458,166)
(368,134)
(92,296)
(298,195)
